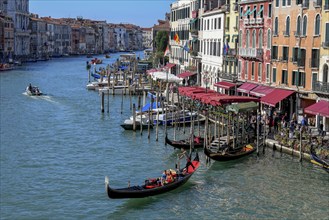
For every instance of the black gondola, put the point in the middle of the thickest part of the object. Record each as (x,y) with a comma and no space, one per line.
(130,126)
(185,144)
(153,187)
(226,154)
(315,159)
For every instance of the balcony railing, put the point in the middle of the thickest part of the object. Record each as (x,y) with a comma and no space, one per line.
(286,33)
(314,63)
(317,3)
(194,32)
(259,20)
(297,33)
(293,59)
(325,45)
(251,52)
(246,21)
(227,76)
(320,87)
(252,21)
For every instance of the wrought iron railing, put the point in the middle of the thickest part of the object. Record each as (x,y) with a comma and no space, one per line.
(318,86)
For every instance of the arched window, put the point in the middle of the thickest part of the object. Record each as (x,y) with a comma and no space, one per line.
(276,26)
(304,25)
(298,29)
(248,39)
(240,38)
(260,39)
(269,37)
(288,26)
(325,75)
(317,25)
(254,39)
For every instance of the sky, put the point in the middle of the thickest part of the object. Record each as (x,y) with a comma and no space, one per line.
(144,13)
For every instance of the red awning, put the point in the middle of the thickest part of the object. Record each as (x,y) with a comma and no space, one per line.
(224,85)
(320,108)
(185,74)
(261,91)
(227,99)
(170,65)
(276,96)
(246,87)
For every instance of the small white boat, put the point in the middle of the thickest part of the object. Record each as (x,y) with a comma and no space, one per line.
(129,125)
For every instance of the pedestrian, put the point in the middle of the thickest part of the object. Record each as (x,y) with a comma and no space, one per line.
(276,122)
(285,120)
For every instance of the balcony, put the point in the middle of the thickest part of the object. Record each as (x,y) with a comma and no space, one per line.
(314,63)
(293,59)
(286,33)
(297,33)
(227,76)
(194,33)
(246,21)
(259,20)
(195,14)
(320,87)
(194,53)
(283,59)
(251,53)
(252,21)
(317,3)
(325,45)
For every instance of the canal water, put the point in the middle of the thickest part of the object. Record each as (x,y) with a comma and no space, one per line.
(57,149)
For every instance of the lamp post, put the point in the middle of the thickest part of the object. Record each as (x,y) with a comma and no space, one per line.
(167,86)
(206,80)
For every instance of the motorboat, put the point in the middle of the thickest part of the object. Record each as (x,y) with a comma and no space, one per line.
(33,91)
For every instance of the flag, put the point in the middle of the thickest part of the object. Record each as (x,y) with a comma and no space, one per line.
(167,51)
(186,47)
(176,38)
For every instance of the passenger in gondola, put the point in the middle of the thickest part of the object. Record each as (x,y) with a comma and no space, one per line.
(169,177)
(30,88)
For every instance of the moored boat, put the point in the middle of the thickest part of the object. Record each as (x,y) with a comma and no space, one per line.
(154,186)
(227,153)
(198,142)
(129,125)
(318,160)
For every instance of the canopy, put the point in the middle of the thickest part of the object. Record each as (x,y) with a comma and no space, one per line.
(242,107)
(226,99)
(170,65)
(276,96)
(164,76)
(246,87)
(224,85)
(320,108)
(185,74)
(261,91)
(146,107)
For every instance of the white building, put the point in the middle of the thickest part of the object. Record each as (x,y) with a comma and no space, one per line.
(147,37)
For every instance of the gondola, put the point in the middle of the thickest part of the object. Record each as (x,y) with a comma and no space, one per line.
(128,125)
(226,154)
(315,159)
(33,91)
(153,187)
(185,144)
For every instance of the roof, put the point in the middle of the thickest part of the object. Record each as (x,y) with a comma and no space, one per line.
(276,96)
(320,108)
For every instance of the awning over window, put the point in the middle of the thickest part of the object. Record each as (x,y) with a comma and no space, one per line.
(246,87)
(261,91)
(185,74)
(320,108)
(170,65)
(276,96)
(224,85)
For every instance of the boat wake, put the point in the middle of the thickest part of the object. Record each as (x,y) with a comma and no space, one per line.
(45,97)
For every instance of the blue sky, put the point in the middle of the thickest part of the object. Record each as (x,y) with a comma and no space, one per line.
(144,13)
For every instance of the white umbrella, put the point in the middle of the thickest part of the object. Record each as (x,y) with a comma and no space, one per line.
(163,76)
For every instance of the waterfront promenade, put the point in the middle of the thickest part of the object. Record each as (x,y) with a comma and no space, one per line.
(56,150)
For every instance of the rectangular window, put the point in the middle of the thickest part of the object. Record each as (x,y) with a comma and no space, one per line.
(269,10)
(261,11)
(274,52)
(218,48)
(274,75)
(215,25)
(283,2)
(268,72)
(277,3)
(285,54)
(219,23)
(284,77)
(315,58)
(239,68)
(288,2)
(260,71)
(252,70)
(294,54)
(294,78)
(246,70)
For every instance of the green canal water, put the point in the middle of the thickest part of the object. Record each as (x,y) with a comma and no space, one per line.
(57,149)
